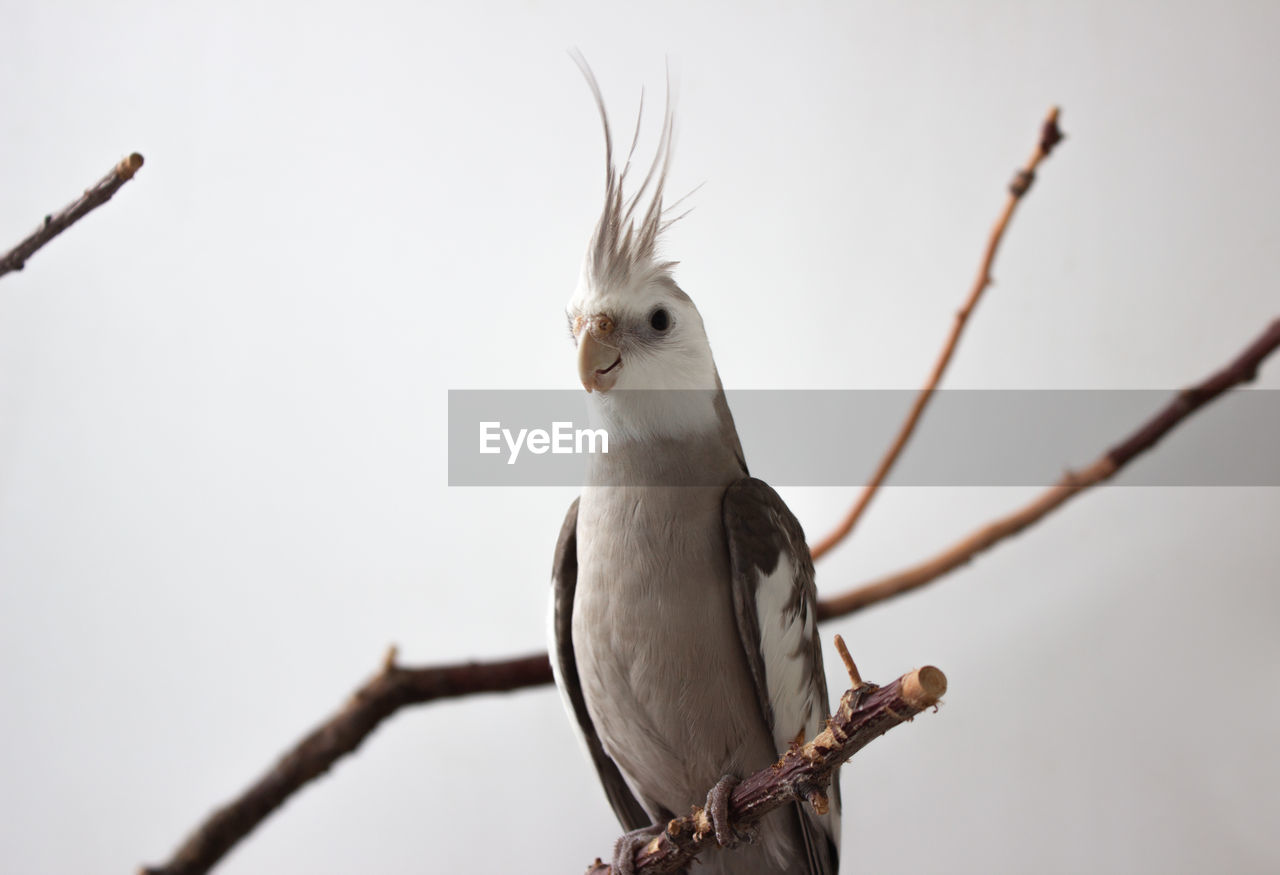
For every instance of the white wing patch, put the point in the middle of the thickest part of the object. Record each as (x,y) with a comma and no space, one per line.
(785,642)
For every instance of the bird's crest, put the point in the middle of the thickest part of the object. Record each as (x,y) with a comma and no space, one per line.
(624,245)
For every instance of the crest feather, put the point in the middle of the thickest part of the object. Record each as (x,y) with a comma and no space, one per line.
(624,244)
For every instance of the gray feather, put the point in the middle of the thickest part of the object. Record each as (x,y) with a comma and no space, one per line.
(564,576)
(670,667)
(761,532)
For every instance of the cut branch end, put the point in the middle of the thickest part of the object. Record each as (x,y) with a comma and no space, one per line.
(821,804)
(129,166)
(924,687)
(55,223)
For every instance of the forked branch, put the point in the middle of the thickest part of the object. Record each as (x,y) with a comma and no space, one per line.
(55,223)
(1242,370)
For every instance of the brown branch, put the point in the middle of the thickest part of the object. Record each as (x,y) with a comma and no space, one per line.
(391,689)
(1242,370)
(396,687)
(1050,136)
(865,713)
(55,224)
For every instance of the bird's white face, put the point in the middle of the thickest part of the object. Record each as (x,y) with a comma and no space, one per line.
(650,337)
(645,337)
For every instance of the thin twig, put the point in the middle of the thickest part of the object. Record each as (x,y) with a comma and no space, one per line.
(56,223)
(1050,136)
(865,713)
(381,697)
(1242,370)
(854,677)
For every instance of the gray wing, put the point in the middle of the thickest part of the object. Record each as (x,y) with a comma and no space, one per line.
(564,580)
(775,602)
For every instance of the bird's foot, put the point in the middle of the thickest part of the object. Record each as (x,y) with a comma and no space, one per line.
(630,844)
(717,808)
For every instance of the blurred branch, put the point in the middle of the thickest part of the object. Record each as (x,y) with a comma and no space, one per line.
(1242,370)
(55,224)
(1050,136)
(864,714)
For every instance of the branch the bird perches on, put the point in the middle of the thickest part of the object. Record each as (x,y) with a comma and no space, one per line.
(865,712)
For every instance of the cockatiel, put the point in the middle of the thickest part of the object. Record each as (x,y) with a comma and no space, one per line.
(684,611)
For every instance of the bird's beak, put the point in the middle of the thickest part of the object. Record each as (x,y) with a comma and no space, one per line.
(598,361)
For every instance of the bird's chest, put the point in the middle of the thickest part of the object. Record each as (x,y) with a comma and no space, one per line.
(659,655)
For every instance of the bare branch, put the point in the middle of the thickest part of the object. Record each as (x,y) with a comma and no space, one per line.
(865,713)
(1050,136)
(396,687)
(55,224)
(390,690)
(1242,370)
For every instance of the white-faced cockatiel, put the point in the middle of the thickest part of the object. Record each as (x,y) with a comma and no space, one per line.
(684,618)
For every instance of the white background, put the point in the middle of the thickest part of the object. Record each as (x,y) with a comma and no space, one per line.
(223,397)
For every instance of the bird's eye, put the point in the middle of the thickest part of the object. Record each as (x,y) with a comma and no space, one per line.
(660,320)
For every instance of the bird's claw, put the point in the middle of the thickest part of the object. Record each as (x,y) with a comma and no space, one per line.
(628,845)
(717,808)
